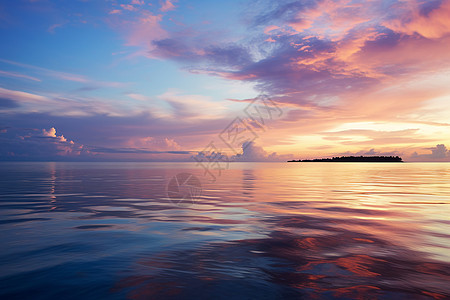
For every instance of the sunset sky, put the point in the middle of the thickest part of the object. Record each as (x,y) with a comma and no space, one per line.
(161,80)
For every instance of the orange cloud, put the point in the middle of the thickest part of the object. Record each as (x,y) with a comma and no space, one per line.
(433,25)
(270,28)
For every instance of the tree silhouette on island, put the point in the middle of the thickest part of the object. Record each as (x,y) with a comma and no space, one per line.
(354,159)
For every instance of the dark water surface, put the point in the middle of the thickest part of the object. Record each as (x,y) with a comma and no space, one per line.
(261,231)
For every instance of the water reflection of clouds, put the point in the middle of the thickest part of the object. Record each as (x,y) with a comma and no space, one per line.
(267,230)
(344,264)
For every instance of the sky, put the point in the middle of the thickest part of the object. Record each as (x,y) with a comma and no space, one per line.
(141,80)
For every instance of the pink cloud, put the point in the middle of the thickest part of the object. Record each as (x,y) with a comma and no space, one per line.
(253,152)
(154,143)
(270,28)
(18,75)
(115,11)
(128,7)
(59,105)
(57,75)
(331,18)
(301,25)
(52,28)
(146,30)
(438,153)
(52,133)
(167,5)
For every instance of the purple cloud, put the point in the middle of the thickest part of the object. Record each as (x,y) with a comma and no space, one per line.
(438,153)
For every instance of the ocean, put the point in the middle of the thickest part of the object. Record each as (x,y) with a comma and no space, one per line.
(75,230)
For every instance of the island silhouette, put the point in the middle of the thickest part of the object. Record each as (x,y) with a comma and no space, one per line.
(353,159)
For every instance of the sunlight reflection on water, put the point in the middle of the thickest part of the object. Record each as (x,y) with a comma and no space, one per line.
(262,231)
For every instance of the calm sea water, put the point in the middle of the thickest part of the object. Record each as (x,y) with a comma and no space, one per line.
(261,231)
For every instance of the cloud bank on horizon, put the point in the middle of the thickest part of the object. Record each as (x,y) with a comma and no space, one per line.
(158,80)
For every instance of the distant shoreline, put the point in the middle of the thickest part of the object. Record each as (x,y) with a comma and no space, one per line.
(353,159)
